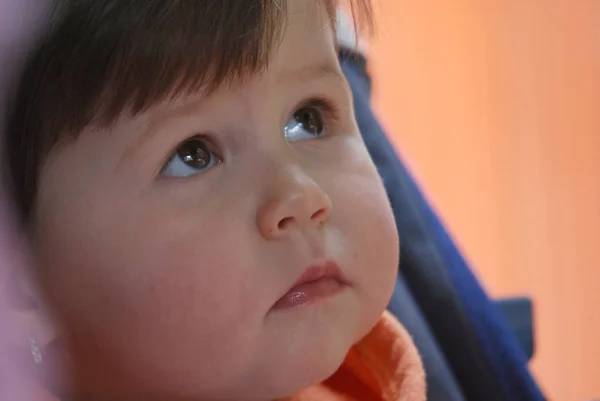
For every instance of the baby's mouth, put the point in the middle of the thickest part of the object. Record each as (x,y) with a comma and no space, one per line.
(318,282)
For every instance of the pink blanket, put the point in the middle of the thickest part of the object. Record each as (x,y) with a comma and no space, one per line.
(20,22)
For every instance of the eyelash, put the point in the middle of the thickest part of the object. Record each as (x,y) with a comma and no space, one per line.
(329,110)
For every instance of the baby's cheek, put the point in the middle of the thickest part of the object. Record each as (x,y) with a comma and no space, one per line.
(361,199)
(381,248)
(365,213)
(190,304)
(155,292)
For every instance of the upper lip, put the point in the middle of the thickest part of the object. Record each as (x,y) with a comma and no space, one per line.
(319,271)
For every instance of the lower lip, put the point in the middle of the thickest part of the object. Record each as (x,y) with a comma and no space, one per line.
(308,293)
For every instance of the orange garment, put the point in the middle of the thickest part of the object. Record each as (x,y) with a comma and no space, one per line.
(383,366)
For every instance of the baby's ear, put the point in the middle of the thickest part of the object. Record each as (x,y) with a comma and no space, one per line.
(30,326)
(26,335)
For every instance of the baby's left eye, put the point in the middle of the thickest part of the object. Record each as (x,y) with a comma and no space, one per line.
(306,123)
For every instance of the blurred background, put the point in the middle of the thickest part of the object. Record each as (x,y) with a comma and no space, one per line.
(495,106)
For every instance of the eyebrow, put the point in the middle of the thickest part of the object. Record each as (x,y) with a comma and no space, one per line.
(310,72)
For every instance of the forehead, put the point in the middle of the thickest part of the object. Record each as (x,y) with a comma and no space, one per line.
(308,41)
(308,26)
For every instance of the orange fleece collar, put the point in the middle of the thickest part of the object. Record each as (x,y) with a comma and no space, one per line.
(383,366)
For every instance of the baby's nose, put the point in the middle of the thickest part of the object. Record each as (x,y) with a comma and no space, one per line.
(295,201)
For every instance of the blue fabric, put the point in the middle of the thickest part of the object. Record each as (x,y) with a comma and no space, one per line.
(483,354)
(518,313)
(502,348)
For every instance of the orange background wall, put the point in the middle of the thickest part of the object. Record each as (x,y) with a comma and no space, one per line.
(495,105)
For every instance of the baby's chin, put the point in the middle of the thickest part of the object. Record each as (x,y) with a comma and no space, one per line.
(302,371)
(312,351)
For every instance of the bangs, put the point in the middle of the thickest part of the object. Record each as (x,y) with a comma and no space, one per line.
(106,58)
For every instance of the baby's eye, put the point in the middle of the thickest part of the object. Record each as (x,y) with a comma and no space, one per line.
(307,122)
(192,157)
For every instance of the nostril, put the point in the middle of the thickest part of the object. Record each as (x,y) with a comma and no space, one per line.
(284,223)
(319,214)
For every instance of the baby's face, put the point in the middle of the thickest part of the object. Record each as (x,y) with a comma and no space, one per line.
(169,244)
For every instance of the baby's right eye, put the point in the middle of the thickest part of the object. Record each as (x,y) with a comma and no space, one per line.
(192,157)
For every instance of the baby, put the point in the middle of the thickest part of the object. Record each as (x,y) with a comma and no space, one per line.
(206,221)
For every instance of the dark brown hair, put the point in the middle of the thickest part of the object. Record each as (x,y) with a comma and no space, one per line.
(106,57)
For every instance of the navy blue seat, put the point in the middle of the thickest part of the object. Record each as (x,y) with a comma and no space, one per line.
(468,348)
